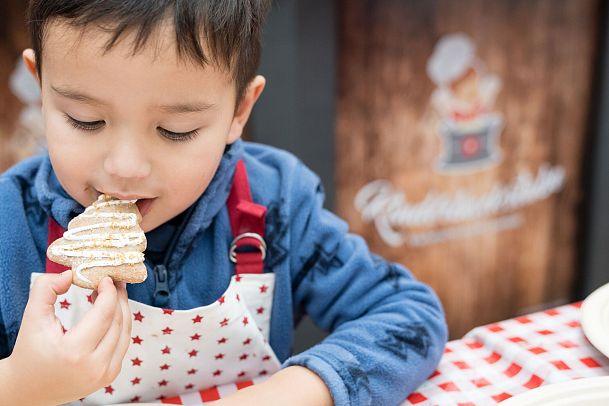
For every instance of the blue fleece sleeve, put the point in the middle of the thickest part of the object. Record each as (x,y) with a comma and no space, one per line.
(19,255)
(388,329)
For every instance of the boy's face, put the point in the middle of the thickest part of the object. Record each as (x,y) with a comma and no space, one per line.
(149,126)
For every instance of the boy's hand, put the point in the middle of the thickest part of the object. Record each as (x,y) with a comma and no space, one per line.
(50,367)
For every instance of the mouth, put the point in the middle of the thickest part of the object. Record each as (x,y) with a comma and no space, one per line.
(143,203)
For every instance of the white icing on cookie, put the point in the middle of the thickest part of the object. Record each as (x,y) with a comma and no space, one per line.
(93,248)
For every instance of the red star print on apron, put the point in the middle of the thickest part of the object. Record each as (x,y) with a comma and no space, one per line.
(178,351)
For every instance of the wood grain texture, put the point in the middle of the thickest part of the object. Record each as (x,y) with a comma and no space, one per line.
(544,51)
(13,40)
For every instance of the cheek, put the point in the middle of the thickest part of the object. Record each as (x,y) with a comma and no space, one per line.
(64,151)
(72,159)
(192,172)
(191,177)
(59,134)
(65,140)
(71,172)
(70,168)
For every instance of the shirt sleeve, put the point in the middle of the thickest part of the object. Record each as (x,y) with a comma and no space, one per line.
(387,329)
(19,253)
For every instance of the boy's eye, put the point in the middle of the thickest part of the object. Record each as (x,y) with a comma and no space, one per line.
(173,136)
(85,125)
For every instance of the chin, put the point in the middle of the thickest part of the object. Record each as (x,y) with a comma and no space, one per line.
(147,226)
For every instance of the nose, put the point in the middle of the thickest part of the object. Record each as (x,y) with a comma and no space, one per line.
(127,159)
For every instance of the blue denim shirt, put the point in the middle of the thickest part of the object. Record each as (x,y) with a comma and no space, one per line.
(387,329)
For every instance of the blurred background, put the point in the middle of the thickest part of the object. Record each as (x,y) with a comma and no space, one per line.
(467,140)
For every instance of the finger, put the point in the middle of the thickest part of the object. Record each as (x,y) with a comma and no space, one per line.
(93,326)
(124,301)
(45,290)
(125,337)
(109,341)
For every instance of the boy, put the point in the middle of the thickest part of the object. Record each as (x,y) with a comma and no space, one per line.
(146,100)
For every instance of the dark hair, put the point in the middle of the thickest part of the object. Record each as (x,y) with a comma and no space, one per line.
(230,29)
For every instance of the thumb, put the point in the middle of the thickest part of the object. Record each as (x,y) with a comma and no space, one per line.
(45,290)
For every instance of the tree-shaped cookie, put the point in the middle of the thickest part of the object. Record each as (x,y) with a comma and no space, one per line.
(104,240)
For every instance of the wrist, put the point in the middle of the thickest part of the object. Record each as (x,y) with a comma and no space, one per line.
(294,385)
(17,388)
(9,390)
(303,386)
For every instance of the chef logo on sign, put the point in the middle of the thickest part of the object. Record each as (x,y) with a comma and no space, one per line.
(462,115)
(464,100)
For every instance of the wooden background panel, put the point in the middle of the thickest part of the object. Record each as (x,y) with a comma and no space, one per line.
(13,40)
(544,52)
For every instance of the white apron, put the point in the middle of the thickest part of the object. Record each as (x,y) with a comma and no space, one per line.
(174,352)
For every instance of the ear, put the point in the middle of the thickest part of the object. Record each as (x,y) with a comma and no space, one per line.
(29,59)
(250,96)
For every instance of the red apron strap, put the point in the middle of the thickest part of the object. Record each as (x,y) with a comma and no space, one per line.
(55,232)
(248,248)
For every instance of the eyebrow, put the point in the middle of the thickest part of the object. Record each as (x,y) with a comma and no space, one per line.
(170,108)
(71,94)
(186,107)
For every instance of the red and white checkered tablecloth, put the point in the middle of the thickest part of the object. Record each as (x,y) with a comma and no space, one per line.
(491,363)
(209,395)
(495,362)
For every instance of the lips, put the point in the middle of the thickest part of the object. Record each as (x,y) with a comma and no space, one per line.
(143,203)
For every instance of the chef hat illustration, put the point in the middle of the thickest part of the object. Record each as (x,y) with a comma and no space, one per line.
(453,55)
